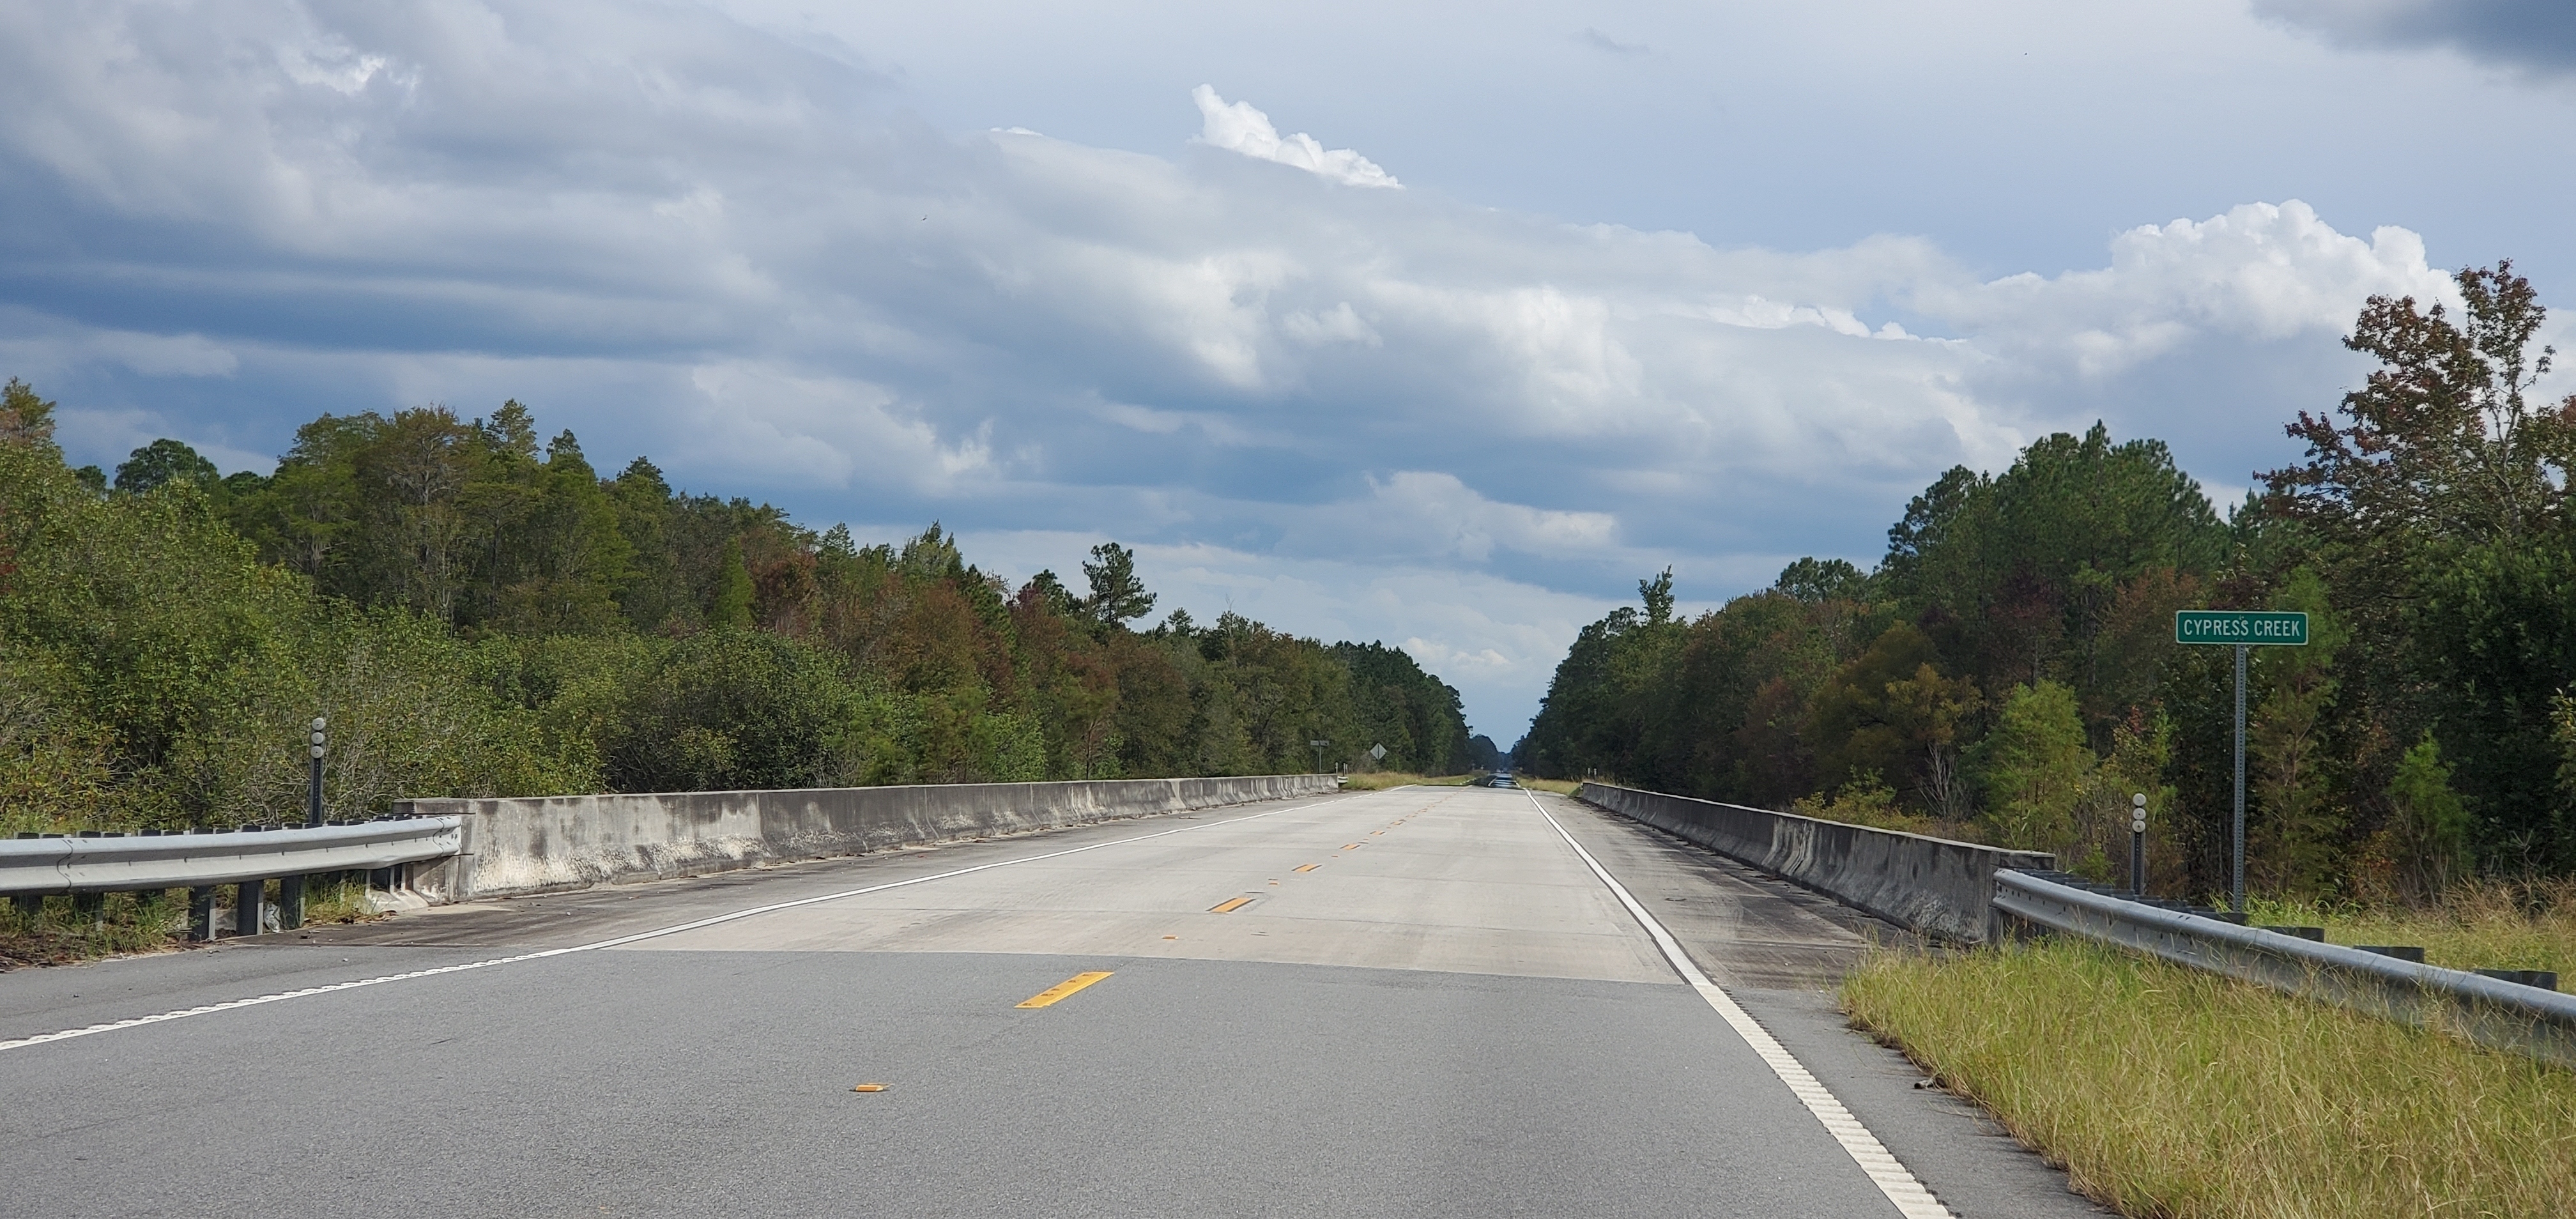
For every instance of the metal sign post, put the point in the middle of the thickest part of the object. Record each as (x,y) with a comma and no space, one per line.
(1320,746)
(2236,890)
(2241,629)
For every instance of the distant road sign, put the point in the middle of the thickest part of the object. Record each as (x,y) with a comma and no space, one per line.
(1378,752)
(2256,628)
(2241,629)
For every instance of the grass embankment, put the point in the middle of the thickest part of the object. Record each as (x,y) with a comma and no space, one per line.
(1562,787)
(2169,1092)
(128,923)
(1380,780)
(2480,925)
(58,934)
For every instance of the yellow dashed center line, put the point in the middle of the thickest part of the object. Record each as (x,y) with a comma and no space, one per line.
(1064,989)
(1350,846)
(1230,905)
(1309,867)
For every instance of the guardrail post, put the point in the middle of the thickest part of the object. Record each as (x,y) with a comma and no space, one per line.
(201,913)
(290,902)
(248,897)
(28,905)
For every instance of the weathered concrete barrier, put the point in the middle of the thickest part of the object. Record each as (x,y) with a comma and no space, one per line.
(1941,888)
(547,843)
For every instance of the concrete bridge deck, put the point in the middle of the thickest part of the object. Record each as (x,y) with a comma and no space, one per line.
(1413,1002)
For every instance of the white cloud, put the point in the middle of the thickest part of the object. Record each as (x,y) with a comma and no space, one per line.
(1383,413)
(768,423)
(1432,515)
(2258,270)
(1237,127)
(34,345)
(1339,324)
(333,65)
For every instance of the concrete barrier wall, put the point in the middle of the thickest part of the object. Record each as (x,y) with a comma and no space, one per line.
(1941,888)
(548,843)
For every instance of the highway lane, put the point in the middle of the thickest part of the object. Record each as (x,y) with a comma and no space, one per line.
(1444,1012)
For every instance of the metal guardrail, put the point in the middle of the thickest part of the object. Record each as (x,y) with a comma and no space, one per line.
(169,861)
(2503,1015)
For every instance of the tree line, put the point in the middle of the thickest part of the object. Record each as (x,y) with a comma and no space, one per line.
(480,614)
(2008,672)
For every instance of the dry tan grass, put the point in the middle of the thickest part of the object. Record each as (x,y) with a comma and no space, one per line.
(2169,1092)
(2486,924)
(1562,787)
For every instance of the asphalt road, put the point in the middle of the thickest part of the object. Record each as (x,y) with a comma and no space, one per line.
(1415,1002)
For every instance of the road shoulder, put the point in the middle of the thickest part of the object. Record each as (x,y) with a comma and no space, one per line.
(1780,951)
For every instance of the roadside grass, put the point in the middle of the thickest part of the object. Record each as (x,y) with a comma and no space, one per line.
(1380,780)
(1562,787)
(2172,1093)
(129,923)
(339,900)
(2485,924)
(59,934)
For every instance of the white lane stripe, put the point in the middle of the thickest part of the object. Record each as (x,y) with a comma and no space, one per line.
(1892,1177)
(231,1004)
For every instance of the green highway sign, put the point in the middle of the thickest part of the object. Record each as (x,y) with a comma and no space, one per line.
(2244,629)
(2277,628)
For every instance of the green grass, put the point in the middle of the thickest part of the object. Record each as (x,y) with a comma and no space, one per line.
(128,923)
(2479,925)
(58,934)
(338,901)
(1562,787)
(2173,1093)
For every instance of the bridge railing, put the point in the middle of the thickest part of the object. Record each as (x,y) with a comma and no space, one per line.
(1934,886)
(88,866)
(518,846)
(480,848)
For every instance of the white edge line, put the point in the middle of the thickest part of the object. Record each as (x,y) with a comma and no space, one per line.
(1892,1178)
(281,996)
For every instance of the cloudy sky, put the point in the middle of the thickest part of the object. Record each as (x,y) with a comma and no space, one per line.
(1433,323)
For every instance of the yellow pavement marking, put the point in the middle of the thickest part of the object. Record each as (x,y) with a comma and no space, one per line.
(869,1088)
(1310,867)
(1230,905)
(1350,846)
(1064,989)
